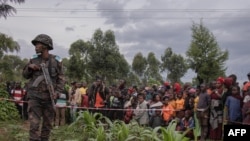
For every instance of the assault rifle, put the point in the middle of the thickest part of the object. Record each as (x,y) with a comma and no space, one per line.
(49,84)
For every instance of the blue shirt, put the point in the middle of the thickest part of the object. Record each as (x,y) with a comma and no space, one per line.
(234,109)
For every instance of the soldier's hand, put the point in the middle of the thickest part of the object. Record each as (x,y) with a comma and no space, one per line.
(34,67)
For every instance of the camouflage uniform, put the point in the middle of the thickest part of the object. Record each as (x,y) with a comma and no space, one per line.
(39,101)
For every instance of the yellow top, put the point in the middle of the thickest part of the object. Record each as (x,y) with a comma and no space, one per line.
(179,104)
(83,91)
(196,99)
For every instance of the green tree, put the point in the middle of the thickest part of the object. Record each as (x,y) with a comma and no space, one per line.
(77,65)
(9,64)
(175,65)
(133,79)
(65,62)
(139,64)
(6,9)
(99,56)
(153,70)
(7,44)
(105,59)
(74,71)
(205,57)
(122,67)
(11,67)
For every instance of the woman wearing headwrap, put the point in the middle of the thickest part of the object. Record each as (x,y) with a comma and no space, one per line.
(216,111)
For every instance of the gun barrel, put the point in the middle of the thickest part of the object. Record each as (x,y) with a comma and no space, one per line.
(49,84)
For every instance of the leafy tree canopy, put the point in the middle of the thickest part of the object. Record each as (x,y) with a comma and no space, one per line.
(205,56)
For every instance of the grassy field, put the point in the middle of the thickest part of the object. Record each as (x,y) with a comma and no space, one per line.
(14,131)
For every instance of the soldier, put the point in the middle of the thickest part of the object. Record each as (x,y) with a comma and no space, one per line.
(40,102)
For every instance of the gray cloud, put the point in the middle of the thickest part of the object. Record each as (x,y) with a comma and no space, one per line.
(157,34)
(68,29)
(162,24)
(113,11)
(58,4)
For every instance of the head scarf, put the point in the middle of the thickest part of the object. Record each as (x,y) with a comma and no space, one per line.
(177,87)
(192,90)
(220,79)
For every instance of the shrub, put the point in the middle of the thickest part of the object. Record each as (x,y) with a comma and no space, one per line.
(8,110)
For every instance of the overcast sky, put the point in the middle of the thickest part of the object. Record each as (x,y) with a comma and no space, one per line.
(139,26)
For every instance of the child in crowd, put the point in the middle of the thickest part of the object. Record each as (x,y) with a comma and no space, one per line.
(116,104)
(141,112)
(155,103)
(167,111)
(187,122)
(203,111)
(60,110)
(156,119)
(129,109)
(233,107)
(179,105)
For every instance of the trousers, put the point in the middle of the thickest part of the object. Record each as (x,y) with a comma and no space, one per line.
(40,113)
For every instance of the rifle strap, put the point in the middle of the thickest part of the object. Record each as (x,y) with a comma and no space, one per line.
(49,66)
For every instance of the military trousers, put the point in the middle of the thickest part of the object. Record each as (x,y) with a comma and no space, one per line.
(41,113)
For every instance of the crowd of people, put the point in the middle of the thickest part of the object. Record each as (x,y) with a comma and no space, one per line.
(215,104)
(219,102)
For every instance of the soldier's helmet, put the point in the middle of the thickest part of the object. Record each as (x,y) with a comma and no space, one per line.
(44,39)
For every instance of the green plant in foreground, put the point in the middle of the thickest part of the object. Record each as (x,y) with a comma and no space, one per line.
(197,129)
(95,127)
(170,133)
(8,110)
